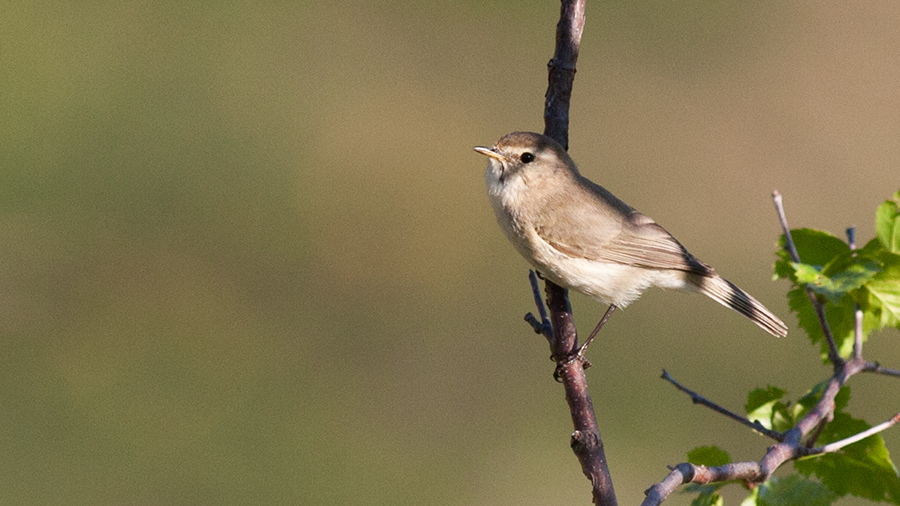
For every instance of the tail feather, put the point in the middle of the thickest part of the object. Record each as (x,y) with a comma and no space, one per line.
(726,293)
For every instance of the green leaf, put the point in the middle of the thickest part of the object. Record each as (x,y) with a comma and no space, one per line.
(759,397)
(842,399)
(814,247)
(868,278)
(713,499)
(752,499)
(850,276)
(806,273)
(764,407)
(841,277)
(887,224)
(794,490)
(811,398)
(883,299)
(709,488)
(841,320)
(845,275)
(863,469)
(708,456)
(841,317)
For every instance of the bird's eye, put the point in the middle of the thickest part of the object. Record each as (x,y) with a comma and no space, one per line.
(527,157)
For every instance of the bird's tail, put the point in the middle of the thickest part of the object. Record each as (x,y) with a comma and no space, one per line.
(726,293)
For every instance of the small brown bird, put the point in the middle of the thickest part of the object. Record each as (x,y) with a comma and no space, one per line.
(580,236)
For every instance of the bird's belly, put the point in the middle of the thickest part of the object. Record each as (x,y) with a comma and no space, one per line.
(607,282)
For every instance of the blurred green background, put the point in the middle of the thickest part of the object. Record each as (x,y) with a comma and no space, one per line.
(246,255)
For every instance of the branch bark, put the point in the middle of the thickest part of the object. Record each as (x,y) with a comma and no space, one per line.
(586,442)
(561,71)
(699,399)
(790,448)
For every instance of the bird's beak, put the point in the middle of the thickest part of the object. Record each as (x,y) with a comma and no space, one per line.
(491,152)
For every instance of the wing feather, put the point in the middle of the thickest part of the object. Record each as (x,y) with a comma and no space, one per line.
(603,228)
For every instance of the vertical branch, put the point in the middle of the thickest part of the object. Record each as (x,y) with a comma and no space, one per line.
(561,71)
(586,442)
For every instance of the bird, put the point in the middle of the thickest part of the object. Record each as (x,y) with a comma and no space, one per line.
(580,236)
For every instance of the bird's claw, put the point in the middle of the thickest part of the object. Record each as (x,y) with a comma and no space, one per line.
(578,356)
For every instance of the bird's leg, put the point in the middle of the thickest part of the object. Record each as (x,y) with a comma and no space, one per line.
(579,355)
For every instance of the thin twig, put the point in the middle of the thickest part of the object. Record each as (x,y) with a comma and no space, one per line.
(782,218)
(699,399)
(857,312)
(837,445)
(833,354)
(878,369)
(543,327)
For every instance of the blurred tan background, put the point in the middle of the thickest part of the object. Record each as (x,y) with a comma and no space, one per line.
(246,255)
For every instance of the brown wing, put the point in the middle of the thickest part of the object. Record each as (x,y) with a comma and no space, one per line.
(601,227)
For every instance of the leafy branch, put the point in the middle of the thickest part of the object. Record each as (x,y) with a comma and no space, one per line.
(841,295)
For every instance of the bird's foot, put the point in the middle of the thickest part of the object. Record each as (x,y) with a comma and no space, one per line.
(563,363)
